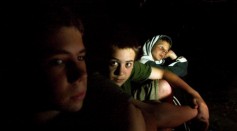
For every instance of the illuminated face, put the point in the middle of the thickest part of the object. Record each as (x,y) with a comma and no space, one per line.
(160,49)
(121,65)
(65,69)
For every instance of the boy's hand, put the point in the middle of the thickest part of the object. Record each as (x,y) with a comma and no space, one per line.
(202,119)
(171,54)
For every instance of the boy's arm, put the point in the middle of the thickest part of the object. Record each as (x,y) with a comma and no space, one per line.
(171,54)
(165,115)
(176,81)
(177,65)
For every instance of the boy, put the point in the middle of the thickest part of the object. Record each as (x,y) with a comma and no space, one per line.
(124,71)
(46,78)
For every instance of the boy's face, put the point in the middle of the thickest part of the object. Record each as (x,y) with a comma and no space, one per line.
(160,49)
(64,68)
(121,65)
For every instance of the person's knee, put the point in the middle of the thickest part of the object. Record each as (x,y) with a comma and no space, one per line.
(165,89)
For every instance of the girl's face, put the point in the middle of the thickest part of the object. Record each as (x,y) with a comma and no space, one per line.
(160,49)
(64,69)
(121,65)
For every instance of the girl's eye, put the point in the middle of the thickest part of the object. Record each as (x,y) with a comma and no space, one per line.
(162,49)
(113,63)
(129,64)
(56,62)
(81,58)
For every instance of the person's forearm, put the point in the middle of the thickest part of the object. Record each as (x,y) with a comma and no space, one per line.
(137,121)
(178,82)
(172,116)
(165,115)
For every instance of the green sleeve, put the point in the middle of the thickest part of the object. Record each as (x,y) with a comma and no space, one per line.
(140,72)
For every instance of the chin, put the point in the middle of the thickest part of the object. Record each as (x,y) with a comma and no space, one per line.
(119,84)
(74,107)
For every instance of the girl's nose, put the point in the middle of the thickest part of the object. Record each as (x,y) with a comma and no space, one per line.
(119,70)
(75,71)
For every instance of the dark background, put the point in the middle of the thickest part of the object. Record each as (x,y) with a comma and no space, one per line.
(202,30)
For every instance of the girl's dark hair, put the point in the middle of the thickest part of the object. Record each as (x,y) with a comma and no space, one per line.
(35,24)
(167,39)
(48,19)
(119,36)
(122,37)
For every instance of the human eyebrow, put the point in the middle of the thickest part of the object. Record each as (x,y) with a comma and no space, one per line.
(113,58)
(51,52)
(83,51)
(54,52)
(57,52)
(130,61)
(116,59)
